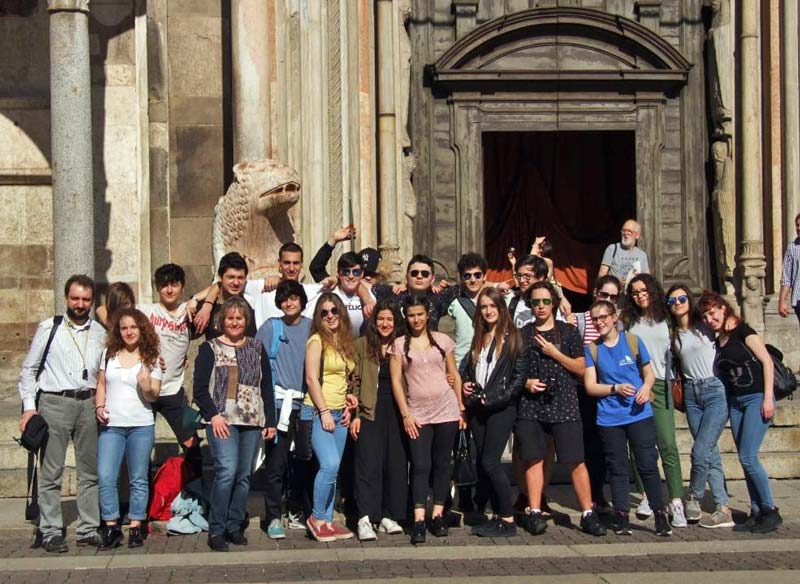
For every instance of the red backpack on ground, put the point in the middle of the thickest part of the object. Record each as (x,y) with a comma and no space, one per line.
(170,479)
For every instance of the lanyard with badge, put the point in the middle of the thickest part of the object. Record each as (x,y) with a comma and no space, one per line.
(81,352)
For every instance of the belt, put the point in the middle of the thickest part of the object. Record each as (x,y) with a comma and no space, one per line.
(79,394)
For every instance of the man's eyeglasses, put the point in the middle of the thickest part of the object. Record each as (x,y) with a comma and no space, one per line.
(538,301)
(355,272)
(599,318)
(419,273)
(325,312)
(673,300)
(607,296)
(628,232)
(521,276)
(472,276)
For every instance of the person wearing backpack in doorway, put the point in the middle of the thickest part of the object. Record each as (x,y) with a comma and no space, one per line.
(624,259)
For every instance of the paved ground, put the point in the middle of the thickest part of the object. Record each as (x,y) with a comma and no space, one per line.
(563,554)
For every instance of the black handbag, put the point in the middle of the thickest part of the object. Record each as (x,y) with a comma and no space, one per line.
(35,434)
(464,473)
(785,382)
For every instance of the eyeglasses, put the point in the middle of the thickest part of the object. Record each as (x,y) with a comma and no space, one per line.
(325,312)
(607,296)
(419,273)
(628,232)
(637,293)
(472,276)
(538,301)
(599,318)
(673,300)
(355,272)
(521,276)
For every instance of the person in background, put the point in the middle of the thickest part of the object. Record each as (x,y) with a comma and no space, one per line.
(462,309)
(692,343)
(232,273)
(370,257)
(623,259)
(128,382)
(790,276)
(118,295)
(746,368)
(381,459)
(233,388)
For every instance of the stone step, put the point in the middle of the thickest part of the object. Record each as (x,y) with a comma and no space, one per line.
(786,415)
(9,428)
(778,439)
(779,465)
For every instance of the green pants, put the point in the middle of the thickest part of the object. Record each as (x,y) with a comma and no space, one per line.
(664,418)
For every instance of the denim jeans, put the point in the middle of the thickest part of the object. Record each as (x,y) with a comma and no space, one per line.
(748,429)
(328,448)
(233,463)
(707,413)
(136,443)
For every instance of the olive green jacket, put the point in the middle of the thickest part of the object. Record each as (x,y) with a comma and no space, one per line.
(366,389)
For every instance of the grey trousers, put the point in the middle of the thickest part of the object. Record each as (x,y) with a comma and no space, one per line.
(68,418)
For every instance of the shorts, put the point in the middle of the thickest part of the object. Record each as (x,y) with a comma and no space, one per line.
(531,435)
(171,407)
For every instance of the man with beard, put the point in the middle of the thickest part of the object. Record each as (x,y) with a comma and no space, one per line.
(62,366)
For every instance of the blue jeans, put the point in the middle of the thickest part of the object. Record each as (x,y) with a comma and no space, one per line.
(233,464)
(748,429)
(707,413)
(136,443)
(328,448)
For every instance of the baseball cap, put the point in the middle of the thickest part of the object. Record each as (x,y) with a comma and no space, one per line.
(369,259)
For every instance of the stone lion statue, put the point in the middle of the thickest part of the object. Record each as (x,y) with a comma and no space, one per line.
(252,216)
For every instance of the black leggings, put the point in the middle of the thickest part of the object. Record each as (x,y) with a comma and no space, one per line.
(592,446)
(641,436)
(431,451)
(381,464)
(491,432)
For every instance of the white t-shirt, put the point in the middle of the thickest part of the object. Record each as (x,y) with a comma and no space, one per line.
(263,303)
(125,406)
(175,334)
(352,303)
(697,353)
(655,336)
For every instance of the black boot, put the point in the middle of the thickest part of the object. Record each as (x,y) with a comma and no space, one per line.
(110,537)
(135,537)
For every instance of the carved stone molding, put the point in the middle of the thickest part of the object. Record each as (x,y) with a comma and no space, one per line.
(649,12)
(466,12)
(68,6)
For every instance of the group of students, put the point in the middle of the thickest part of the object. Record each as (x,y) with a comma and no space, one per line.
(296,369)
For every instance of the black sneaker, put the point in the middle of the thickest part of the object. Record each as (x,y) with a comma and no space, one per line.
(535,524)
(439,527)
(767,521)
(110,537)
(237,537)
(418,532)
(662,523)
(55,545)
(92,539)
(621,523)
(498,528)
(590,523)
(749,523)
(218,542)
(135,537)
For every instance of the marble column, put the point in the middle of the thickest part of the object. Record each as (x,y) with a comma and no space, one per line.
(752,264)
(387,132)
(250,79)
(71,135)
(791,119)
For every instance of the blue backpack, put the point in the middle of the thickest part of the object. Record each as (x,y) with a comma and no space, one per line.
(277,333)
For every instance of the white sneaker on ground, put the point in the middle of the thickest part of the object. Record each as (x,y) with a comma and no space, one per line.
(718,518)
(390,526)
(676,514)
(644,510)
(365,530)
(295,521)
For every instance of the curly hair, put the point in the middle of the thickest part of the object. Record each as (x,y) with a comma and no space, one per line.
(342,340)
(374,339)
(148,345)
(504,329)
(418,300)
(657,309)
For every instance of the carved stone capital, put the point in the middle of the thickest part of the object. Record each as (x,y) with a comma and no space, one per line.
(68,6)
(466,12)
(752,273)
(649,12)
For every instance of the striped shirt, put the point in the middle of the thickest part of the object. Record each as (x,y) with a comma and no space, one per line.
(590,333)
(790,275)
(74,349)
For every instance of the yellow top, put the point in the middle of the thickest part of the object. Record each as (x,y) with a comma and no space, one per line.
(334,377)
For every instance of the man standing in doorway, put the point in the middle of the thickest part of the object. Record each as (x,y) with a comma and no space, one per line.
(623,259)
(62,366)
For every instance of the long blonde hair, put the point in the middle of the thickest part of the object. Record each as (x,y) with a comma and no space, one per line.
(342,340)
(504,329)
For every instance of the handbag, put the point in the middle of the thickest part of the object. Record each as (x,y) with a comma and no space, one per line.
(677,387)
(464,473)
(784,383)
(190,417)
(35,434)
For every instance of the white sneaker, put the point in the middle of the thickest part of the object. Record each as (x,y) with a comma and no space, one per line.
(676,514)
(390,526)
(644,510)
(365,531)
(295,521)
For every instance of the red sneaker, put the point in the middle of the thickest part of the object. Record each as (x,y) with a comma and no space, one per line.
(340,532)
(320,530)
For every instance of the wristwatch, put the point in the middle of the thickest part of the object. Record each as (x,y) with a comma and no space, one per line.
(613,389)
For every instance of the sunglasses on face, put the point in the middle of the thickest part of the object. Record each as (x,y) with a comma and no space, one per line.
(420,273)
(355,272)
(538,301)
(599,318)
(472,276)
(325,312)
(607,296)
(673,300)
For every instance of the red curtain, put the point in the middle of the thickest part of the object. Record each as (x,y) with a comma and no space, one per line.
(576,188)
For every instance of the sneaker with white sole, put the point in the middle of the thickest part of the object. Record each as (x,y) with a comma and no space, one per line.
(275,530)
(676,514)
(390,526)
(693,510)
(718,518)
(295,521)
(643,510)
(365,530)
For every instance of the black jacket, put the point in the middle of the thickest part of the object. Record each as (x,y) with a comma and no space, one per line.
(504,386)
